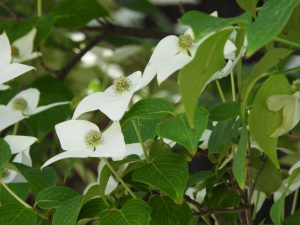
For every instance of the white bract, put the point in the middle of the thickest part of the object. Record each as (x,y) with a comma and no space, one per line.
(22,106)
(114,101)
(290,106)
(22,48)
(173,53)
(20,147)
(83,139)
(8,70)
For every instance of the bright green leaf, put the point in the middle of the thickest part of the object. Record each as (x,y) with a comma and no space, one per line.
(248,5)
(224,111)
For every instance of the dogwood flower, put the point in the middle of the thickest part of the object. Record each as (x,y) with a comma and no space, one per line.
(173,53)
(83,139)
(290,105)
(114,101)
(8,70)
(22,48)
(22,106)
(20,147)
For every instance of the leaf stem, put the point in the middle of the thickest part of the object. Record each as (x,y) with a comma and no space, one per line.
(118,177)
(232,86)
(39,8)
(284,41)
(138,133)
(295,201)
(21,201)
(284,71)
(220,91)
(15,129)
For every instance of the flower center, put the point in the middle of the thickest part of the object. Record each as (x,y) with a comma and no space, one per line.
(93,138)
(296,85)
(185,41)
(20,104)
(4,173)
(121,84)
(15,51)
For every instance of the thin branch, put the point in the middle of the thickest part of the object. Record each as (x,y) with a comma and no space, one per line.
(221,211)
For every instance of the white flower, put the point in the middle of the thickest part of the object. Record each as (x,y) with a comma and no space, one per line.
(20,147)
(114,101)
(173,53)
(22,48)
(290,105)
(83,139)
(195,194)
(8,70)
(22,106)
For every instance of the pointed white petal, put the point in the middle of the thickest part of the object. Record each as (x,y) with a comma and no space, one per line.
(5,53)
(11,177)
(31,95)
(25,45)
(9,117)
(135,79)
(111,185)
(31,56)
(113,143)
(19,143)
(45,107)
(148,75)
(88,104)
(277,102)
(3,87)
(71,134)
(66,155)
(24,158)
(229,49)
(132,149)
(214,14)
(12,71)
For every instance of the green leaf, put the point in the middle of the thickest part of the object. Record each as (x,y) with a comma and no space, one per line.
(293,219)
(5,153)
(270,21)
(20,189)
(240,159)
(194,76)
(153,108)
(167,172)
(248,5)
(15,214)
(271,59)
(52,197)
(166,212)
(204,24)
(37,179)
(224,111)
(202,175)
(262,121)
(93,208)
(178,129)
(68,212)
(134,211)
(77,13)
(221,136)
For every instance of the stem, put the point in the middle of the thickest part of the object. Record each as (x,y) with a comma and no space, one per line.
(39,8)
(232,86)
(295,200)
(239,74)
(220,91)
(250,185)
(15,129)
(118,177)
(256,203)
(284,71)
(284,41)
(138,133)
(21,201)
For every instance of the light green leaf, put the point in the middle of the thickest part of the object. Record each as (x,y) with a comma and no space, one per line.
(204,24)
(194,76)
(5,153)
(77,13)
(153,108)
(68,212)
(270,21)
(135,212)
(271,59)
(248,5)
(262,121)
(15,214)
(167,172)
(166,212)
(52,197)
(240,159)
(224,111)
(178,129)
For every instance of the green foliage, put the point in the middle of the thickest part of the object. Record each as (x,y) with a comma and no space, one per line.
(248,5)
(224,111)
(5,153)
(14,214)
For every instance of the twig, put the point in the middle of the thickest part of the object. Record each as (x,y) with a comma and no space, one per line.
(221,211)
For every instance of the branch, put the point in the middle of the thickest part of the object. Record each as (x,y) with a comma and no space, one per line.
(221,211)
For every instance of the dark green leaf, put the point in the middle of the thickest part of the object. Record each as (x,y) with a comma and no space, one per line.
(167,172)
(5,153)
(93,208)
(135,212)
(270,21)
(293,219)
(224,111)
(178,129)
(52,197)
(194,76)
(200,176)
(166,212)
(14,214)
(68,212)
